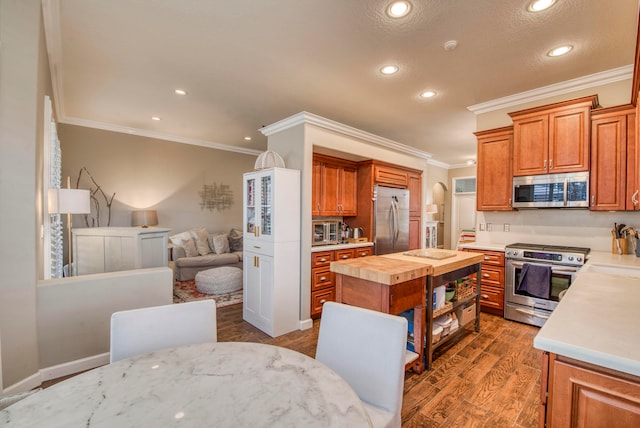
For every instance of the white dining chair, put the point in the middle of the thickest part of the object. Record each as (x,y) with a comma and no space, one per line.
(367,349)
(140,331)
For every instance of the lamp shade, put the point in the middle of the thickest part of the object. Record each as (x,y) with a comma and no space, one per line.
(144,218)
(69,201)
(432,208)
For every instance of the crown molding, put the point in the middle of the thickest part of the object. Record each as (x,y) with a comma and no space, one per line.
(157,135)
(580,83)
(319,121)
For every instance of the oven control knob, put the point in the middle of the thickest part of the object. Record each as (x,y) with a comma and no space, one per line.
(579,259)
(570,258)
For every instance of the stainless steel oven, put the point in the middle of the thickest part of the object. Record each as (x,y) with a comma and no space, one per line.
(325,232)
(559,266)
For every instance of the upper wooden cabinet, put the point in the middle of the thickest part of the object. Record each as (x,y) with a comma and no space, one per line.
(611,129)
(494,180)
(334,187)
(553,138)
(390,176)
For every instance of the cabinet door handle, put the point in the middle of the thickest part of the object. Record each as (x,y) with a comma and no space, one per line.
(323,259)
(634,198)
(487,258)
(323,301)
(550,164)
(484,296)
(257,246)
(593,200)
(485,275)
(345,257)
(323,278)
(545,164)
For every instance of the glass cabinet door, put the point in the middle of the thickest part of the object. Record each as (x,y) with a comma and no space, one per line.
(265,205)
(250,204)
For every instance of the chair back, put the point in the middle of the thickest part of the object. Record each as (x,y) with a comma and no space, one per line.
(367,349)
(144,330)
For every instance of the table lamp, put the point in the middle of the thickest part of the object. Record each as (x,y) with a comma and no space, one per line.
(69,201)
(144,218)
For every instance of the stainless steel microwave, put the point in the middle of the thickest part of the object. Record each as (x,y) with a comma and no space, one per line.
(326,232)
(569,190)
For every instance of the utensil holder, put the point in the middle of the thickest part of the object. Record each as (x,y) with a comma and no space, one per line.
(624,246)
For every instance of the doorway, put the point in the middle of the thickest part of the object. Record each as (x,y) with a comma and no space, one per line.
(463,207)
(439,194)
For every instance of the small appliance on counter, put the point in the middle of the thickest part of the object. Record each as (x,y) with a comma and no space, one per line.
(326,232)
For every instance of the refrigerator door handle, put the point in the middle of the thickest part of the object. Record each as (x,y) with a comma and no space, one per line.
(392,221)
(396,227)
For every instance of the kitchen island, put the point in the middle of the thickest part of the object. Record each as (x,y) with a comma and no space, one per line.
(591,344)
(394,283)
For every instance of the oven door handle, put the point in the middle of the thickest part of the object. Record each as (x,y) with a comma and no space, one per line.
(532,313)
(553,268)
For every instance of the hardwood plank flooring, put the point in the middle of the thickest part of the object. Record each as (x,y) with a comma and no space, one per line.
(485,379)
(488,379)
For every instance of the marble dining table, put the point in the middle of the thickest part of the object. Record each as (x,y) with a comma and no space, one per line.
(223,384)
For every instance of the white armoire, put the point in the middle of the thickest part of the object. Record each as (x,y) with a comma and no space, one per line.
(271,286)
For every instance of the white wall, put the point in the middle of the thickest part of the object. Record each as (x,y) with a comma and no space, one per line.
(21,118)
(74,314)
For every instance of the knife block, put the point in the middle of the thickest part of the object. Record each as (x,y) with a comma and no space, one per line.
(624,245)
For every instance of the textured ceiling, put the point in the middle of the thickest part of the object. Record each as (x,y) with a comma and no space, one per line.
(249,63)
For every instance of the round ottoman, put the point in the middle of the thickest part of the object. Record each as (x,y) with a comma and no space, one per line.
(222,280)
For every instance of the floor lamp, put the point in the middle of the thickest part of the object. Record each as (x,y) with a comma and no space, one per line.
(69,201)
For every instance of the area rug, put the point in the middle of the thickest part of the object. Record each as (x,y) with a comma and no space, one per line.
(185,291)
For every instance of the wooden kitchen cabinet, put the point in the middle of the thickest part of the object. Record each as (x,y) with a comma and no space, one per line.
(390,176)
(491,282)
(553,138)
(613,178)
(415,209)
(494,173)
(323,288)
(578,394)
(334,187)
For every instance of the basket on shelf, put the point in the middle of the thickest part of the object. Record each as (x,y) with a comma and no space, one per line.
(447,307)
(465,288)
(268,159)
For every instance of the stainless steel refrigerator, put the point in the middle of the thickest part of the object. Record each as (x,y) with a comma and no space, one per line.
(391,220)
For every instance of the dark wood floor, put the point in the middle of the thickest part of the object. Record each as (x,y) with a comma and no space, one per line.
(485,379)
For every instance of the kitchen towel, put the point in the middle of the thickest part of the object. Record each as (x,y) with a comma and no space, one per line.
(535,280)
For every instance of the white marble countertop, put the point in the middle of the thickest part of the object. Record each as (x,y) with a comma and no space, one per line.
(225,384)
(483,246)
(598,320)
(340,246)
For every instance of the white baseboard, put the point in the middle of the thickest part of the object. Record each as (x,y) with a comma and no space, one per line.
(305,324)
(75,366)
(24,385)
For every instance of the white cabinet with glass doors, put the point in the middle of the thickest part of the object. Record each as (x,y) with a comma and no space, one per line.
(271,202)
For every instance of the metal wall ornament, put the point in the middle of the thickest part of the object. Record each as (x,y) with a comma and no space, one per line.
(216,197)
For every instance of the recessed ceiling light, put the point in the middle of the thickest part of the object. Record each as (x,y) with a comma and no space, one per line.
(389,69)
(559,51)
(428,94)
(155,118)
(247,138)
(181,92)
(450,45)
(398,9)
(540,5)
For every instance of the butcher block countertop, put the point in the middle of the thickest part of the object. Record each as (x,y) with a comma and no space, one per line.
(396,268)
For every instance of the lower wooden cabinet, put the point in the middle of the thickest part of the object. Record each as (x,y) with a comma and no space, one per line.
(492,282)
(323,284)
(578,394)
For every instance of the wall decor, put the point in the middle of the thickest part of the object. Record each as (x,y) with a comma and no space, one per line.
(215,197)
(97,195)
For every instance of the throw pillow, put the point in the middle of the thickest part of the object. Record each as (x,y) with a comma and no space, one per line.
(235,233)
(220,243)
(235,243)
(177,239)
(189,247)
(202,245)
